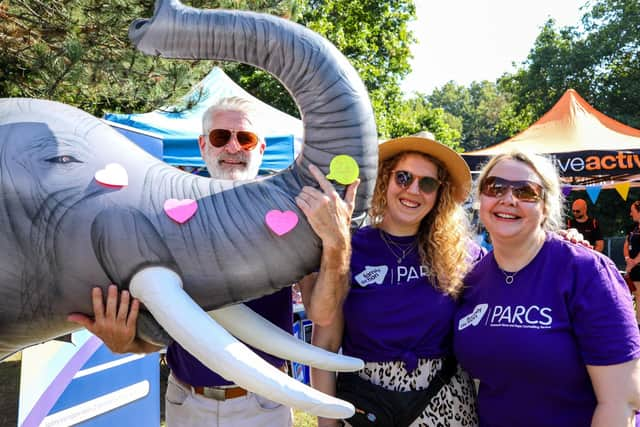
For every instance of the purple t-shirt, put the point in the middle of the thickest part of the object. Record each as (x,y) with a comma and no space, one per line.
(392,311)
(528,342)
(277,308)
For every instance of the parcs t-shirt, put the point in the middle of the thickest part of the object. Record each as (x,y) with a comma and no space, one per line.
(393,311)
(528,342)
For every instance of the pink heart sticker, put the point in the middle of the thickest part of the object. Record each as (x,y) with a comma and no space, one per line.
(113,175)
(180,211)
(281,222)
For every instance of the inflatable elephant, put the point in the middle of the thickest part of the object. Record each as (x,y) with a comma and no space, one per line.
(82,206)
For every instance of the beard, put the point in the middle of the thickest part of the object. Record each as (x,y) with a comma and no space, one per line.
(241,166)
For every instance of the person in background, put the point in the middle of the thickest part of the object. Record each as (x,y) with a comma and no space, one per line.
(545,325)
(484,240)
(232,147)
(631,252)
(586,225)
(406,273)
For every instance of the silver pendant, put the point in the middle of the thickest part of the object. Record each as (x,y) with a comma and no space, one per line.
(508,279)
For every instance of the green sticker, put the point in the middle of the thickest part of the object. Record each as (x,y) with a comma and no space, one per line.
(343,169)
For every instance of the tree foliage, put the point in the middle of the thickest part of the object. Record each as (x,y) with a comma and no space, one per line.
(417,115)
(601,61)
(372,34)
(613,39)
(485,113)
(78,52)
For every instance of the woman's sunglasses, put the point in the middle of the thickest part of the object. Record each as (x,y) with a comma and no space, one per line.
(221,137)
(427,184)
(525,191)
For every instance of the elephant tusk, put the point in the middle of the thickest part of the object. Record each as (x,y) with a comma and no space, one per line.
(248,326)
(160,289)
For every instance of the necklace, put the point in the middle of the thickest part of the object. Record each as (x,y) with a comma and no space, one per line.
(519,262)
(508,277)
(405,249)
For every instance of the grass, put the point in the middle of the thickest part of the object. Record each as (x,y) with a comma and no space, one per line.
(303,419)
(300,419)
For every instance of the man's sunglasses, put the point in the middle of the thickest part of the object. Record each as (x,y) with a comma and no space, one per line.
(427,184)
(525,191)
(221,137)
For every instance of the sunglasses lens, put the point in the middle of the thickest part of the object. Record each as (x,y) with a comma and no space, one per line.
(527,192)
(404,178)
(248,140)
(428,185)
(524,191)
(490,187)
(219,137)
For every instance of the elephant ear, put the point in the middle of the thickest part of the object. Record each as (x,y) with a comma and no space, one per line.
(120,262)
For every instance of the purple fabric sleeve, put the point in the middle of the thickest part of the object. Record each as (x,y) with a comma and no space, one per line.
(602,316)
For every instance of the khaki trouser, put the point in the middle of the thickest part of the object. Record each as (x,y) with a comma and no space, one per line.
(184,408)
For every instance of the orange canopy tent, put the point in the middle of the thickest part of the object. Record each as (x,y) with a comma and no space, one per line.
(587,145)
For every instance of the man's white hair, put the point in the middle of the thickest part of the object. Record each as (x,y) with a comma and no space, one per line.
(233,103)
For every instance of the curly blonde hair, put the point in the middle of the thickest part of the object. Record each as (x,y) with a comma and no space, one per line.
(444,233)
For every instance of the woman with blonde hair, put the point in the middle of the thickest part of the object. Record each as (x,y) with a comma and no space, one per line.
(407,270)
(545,325)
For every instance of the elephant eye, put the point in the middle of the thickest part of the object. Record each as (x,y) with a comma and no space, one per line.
(64,159)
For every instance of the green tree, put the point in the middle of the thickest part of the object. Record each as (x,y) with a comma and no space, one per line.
(486,114)
(613,39)
(417,115)
(601,61)
(372,34)
(550,69)
(78,52)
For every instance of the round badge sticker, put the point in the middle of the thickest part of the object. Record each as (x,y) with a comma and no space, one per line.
(343,169)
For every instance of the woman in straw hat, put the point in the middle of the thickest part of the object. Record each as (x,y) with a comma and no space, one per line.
(547,326)
(407,270)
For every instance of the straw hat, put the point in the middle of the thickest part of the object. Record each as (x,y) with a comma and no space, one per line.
(455,164)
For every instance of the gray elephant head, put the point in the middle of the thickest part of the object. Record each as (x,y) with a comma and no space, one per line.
(67,229)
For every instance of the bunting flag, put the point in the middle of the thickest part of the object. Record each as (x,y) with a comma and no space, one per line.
(593,191)
(623,189)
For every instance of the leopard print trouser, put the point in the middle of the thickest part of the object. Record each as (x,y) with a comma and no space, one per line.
(453,406)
